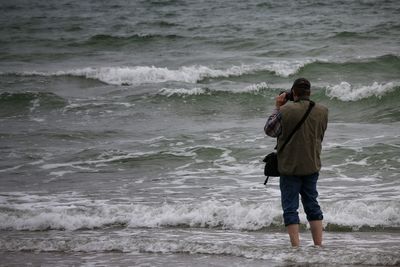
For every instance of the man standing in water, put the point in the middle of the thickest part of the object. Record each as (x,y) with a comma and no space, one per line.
(299,162)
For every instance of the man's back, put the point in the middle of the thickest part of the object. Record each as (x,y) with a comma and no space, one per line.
(301,155)
(299,162)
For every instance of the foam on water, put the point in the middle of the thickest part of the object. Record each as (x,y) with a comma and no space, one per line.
(347,92)
(267,246)
(114,156)
(195,165)
(182,91)
(42,216)
(357,214)
(151,74)
(205,91)
(42,213)
(255,87)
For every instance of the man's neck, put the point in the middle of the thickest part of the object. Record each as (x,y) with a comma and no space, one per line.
(299,98)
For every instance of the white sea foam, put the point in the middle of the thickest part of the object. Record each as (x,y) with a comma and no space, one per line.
(287,68)
(38,119)
(11,168)
(347,92)
(352,250)
(61,173)
(151,74)
(41,213)
(342,249)
(134,75)
(256,87)
(183,91)
(41,216)
(205,91)
(356,214)
(105,157)
(35,104)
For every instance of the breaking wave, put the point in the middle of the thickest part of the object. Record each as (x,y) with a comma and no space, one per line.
(347,92)
(135,75)
(253,88)
(250,249)
(344,91)
(150,74)
(48,214)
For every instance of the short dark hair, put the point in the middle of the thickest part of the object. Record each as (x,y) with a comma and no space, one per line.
(302,87)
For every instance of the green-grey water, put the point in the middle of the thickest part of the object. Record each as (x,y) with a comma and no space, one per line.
(131,132)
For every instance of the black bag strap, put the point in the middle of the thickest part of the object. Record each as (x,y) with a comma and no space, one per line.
(310,106)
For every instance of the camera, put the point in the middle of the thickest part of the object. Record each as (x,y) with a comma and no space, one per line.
(288,96)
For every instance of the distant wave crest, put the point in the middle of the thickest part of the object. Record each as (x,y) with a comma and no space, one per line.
(207,214)
(253,88)
(136,75)
(150,74)
(347,92)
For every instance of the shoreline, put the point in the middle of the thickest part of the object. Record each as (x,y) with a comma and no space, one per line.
(182,247)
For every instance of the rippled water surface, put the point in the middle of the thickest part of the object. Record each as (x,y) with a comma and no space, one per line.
(131,132)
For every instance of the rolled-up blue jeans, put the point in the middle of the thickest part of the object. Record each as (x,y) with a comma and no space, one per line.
(293,186)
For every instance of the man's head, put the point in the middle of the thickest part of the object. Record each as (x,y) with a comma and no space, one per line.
(301,87)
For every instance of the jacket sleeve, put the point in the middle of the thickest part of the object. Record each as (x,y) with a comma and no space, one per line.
(273,125)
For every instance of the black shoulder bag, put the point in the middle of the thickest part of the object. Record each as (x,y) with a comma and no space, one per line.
(271,160)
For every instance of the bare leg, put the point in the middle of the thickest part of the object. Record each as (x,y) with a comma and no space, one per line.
(293,231)
(316,231)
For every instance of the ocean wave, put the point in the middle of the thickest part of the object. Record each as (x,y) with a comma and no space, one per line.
(351,35)
(157,23)
(209,214)
(105,39)
(344,91)
(183,91)
(226,244)
(84,214)
(347,92)
(164,2)
(146,74)
(16,103)
(15,98)
(150,74)
(136,75)
(253,88)
(119,157)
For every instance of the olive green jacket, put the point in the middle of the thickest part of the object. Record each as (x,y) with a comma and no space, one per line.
(301,156)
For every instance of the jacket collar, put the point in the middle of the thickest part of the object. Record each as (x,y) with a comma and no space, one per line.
(307,98)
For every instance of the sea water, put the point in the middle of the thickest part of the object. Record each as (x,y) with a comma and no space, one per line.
(131,132)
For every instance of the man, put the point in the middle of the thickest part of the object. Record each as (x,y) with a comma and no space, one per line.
(299,162)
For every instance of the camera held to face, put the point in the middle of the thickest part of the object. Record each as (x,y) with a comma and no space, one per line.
(289,95)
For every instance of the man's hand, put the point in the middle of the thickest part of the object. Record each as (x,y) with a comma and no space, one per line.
(280,100)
